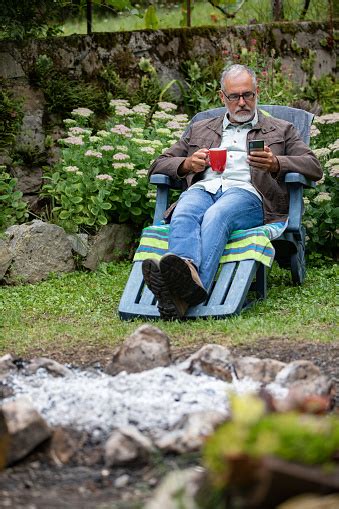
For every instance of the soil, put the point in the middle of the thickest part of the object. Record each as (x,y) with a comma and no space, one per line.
(39,482)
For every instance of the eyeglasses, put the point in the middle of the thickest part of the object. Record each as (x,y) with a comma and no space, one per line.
(247,96)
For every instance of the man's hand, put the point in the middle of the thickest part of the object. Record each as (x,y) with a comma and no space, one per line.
(196,163)
(264,160)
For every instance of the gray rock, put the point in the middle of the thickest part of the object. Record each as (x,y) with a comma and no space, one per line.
(126,445)
(297,371)
(29,179)
(213,360)
(53,367)
(79,243)
(38,249)
(260,370)
(178,489)
(26,428)
(5,258)
(111,243)
(4,441)
(191,432)
(6,364)
(147,348)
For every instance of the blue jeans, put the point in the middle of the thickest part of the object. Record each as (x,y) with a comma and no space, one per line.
(202,223)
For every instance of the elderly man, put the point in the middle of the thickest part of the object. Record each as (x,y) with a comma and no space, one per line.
(249,193)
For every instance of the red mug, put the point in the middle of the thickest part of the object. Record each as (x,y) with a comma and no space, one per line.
(217,159)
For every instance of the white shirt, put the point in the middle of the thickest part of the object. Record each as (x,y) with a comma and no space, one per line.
(237,171)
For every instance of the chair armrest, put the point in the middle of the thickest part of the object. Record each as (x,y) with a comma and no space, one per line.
(160,180)
(295,184)
(297,178)
(164,184)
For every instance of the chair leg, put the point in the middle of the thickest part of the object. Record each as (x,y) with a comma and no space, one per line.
(261,282)
(298,263)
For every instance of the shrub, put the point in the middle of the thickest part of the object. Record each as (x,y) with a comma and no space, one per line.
(102,178)
(322,203)
(62,94)
(11,115)
(12,207)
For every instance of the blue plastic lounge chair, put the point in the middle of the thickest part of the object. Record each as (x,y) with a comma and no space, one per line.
(230,293)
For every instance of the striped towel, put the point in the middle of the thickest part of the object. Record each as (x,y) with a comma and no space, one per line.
(252,244)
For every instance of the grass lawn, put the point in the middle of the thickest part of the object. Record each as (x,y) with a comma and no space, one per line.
(79,311)
(203,14)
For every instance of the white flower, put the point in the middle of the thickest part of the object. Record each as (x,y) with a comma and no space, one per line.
(332,162)
(322,197)
(119,102)
(122,148)
(151,195)
(121,129)
(167,106)
(321,152)
(70,121)
(183,118)
(79,173)
(94,139)
(314,131)
(173,124)
(161,115)
(163,131)
(82,112)
(148,150)
(71,169)
(330,118)
(334,171)
(106,148)
(334,146)
(141,109)
(131,181)
(123,111)
(76,131)
(93,153)
(141,173)
(104,176)
(103,133)
(140,141)
(137,130)
(73,140)
(306,201)
(120,166)
(120,156)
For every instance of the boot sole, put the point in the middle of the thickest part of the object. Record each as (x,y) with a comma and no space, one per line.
(178,278)
(168,308)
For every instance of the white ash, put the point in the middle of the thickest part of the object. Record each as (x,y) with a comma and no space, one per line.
(153,400)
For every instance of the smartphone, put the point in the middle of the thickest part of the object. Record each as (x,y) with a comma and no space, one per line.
(255,145)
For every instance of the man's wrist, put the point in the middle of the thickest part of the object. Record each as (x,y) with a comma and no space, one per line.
(184,168)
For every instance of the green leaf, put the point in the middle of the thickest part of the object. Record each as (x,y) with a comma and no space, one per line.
(64,214)
(151,18)
(102,220)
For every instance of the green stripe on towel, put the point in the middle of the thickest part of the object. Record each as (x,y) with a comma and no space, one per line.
(253,244)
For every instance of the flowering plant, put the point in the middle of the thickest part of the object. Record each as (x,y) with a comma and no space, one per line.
(102,176)
(322,203)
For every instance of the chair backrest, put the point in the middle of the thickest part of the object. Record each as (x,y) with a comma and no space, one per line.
(301,119)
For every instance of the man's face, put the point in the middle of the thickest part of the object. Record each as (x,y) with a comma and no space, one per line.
(241,110)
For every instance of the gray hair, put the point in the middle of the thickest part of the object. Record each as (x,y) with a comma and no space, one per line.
(235,70)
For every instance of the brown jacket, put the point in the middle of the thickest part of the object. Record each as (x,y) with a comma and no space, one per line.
(283,139)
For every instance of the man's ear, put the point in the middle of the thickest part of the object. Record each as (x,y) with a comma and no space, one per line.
(222,97)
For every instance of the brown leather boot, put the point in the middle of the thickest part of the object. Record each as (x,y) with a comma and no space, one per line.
(182,279)
(170,307)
